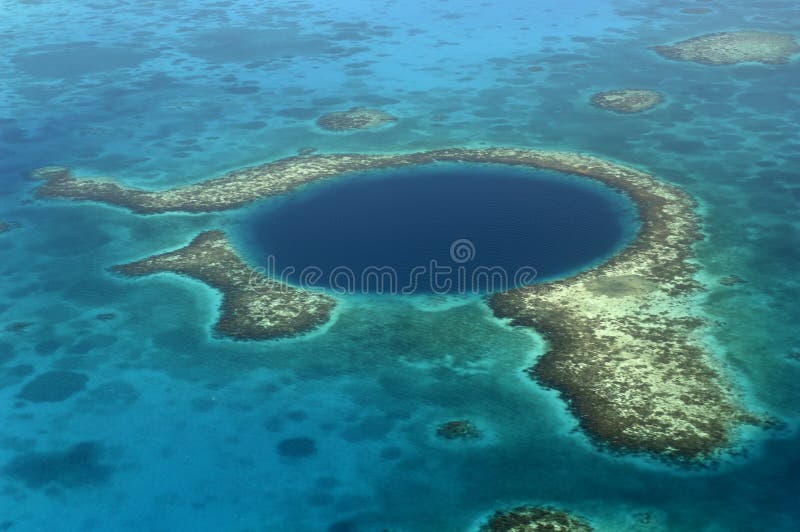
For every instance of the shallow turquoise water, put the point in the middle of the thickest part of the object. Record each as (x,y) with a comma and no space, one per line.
(173,429)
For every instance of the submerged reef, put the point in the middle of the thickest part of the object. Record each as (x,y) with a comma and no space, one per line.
(254,307)
(627,100)
(8,226)
(296,447)
(54,386)
(18,326)
(50,172)
(356,118)
(461,429)
(535,519)
(731,280)
(624,343)
(729,48)
(80,465)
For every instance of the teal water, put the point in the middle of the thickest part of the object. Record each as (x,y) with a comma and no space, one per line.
(153,424)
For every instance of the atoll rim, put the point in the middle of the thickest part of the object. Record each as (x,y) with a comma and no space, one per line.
(650,385)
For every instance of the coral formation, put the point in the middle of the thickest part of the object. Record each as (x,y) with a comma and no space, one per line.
(54,386)
(355,118)
(627,100)
(296,447)
(8,226)
(535,519)
(254,307)
(624,347)
(461,429)
(731,280)
(18,326)
(77,466)
(728,48)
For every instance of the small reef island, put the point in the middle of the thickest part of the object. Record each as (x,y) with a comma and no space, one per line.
(535,519)
(356,118)
(627,100)
(624,345)
(730,48)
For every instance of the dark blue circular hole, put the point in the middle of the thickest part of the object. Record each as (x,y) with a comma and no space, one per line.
(444,228)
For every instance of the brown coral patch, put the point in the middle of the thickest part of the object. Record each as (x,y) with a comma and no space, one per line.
(729,48)
(535,519)
(254,307)
(356,118)
(627,100)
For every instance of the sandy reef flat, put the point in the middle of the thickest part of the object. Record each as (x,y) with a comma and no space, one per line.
(627,100)
(254,307)
(729,48)
(624,340)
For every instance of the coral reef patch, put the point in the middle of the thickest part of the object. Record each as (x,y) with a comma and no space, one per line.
(731,280)
(461,429)
(535,519)
(78,466)
(729,48)
(254,307)
(18,326)
(627,100)
(8,226)
(624,346)
(356,118)
(54,386)
(296,447)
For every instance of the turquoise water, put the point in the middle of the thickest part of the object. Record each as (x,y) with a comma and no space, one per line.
(158,426)
(443,229)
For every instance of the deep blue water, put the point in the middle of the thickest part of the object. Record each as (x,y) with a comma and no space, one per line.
(440,229)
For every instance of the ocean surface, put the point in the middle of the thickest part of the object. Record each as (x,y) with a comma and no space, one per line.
(119,409)
(439,229)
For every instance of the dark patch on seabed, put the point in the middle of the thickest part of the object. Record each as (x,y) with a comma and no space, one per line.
(296,447)
(77,466)
(54,386)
